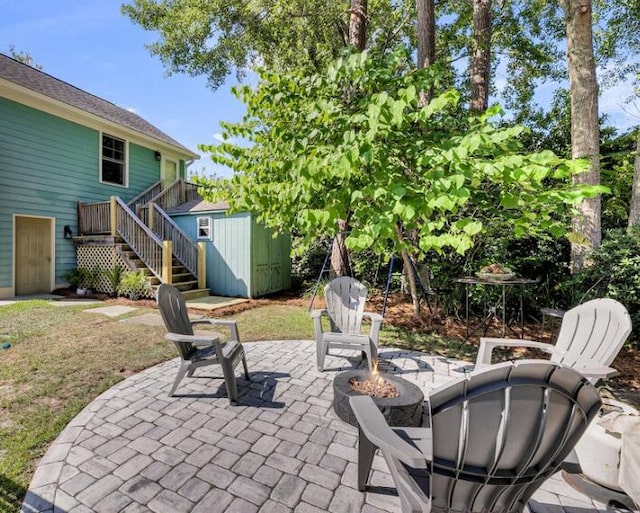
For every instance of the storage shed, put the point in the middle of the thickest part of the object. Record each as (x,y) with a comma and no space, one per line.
(243,259)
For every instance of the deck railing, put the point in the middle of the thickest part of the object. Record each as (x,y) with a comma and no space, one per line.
(176,194)
(139,237)
(145,196)
(93,218)
(184,249)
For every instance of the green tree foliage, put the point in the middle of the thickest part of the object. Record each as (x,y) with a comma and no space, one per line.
(352,143)
(617,155)
(23,57)
(217,39)
(617,36)
(615,273)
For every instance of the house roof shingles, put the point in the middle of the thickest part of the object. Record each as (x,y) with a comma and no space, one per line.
(40,82)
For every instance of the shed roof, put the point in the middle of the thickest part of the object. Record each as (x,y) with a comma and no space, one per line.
(199,205)
(45,84)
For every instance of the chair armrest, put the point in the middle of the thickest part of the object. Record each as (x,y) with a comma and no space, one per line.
(317,323)
(199,340)
(228,323)
(374,427)
(376,324)
(487,345)
(375,317)
(597,372)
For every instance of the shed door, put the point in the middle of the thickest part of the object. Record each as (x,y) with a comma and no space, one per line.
(33,255)
(275,263)
(267,261)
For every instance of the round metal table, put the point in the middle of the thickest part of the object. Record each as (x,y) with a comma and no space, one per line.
(498,309)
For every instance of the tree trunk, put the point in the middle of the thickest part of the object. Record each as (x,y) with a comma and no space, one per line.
(340,263)
(411,276)
(585,133)
(358,24)
(426,32)
(481,58)
(634,209)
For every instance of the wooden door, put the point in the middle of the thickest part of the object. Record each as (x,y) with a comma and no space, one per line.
(169,172)
(33,259)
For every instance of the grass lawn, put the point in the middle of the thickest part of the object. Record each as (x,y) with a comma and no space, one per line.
(61,358)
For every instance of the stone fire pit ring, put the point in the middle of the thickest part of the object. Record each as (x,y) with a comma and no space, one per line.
(405,410)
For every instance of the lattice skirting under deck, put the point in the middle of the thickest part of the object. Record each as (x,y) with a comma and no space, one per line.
(102,257)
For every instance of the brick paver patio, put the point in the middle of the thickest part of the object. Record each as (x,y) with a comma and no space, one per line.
(134,449)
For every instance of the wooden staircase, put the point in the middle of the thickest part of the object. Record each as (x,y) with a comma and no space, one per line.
(148,239)
(181,278)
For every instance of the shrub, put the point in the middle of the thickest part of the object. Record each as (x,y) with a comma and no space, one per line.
(306,266)
(135,285)
(72,276)
(615,273)
(86,277)
(115,277)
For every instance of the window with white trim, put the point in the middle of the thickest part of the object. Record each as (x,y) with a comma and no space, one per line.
(204,227)
(114,161)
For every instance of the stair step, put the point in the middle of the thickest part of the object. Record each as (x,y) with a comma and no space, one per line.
(183,286)
(181,277)
(195,293)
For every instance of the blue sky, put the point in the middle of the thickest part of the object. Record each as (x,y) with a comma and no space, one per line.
(91,45)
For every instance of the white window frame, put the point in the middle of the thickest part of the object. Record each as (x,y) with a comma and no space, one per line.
(126,160)
(208,227)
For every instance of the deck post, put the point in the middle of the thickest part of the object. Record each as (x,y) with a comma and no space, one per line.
(150,215)
(167,257)
(79,214)
(113,213)
(202,265)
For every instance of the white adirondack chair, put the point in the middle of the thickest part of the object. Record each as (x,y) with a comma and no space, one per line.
(590,337)
(345,298)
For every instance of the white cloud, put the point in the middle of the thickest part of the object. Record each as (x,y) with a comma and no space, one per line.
(132,110)
(219,137)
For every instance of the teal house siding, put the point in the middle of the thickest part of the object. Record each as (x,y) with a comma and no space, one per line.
(243,260)
(48,165)
(50,160)
(144,171)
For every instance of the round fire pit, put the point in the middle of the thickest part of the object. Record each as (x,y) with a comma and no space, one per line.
(404,410)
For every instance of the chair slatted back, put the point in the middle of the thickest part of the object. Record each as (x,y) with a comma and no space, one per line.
(499,434)
(592,334)
(173,310)
(345,298)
